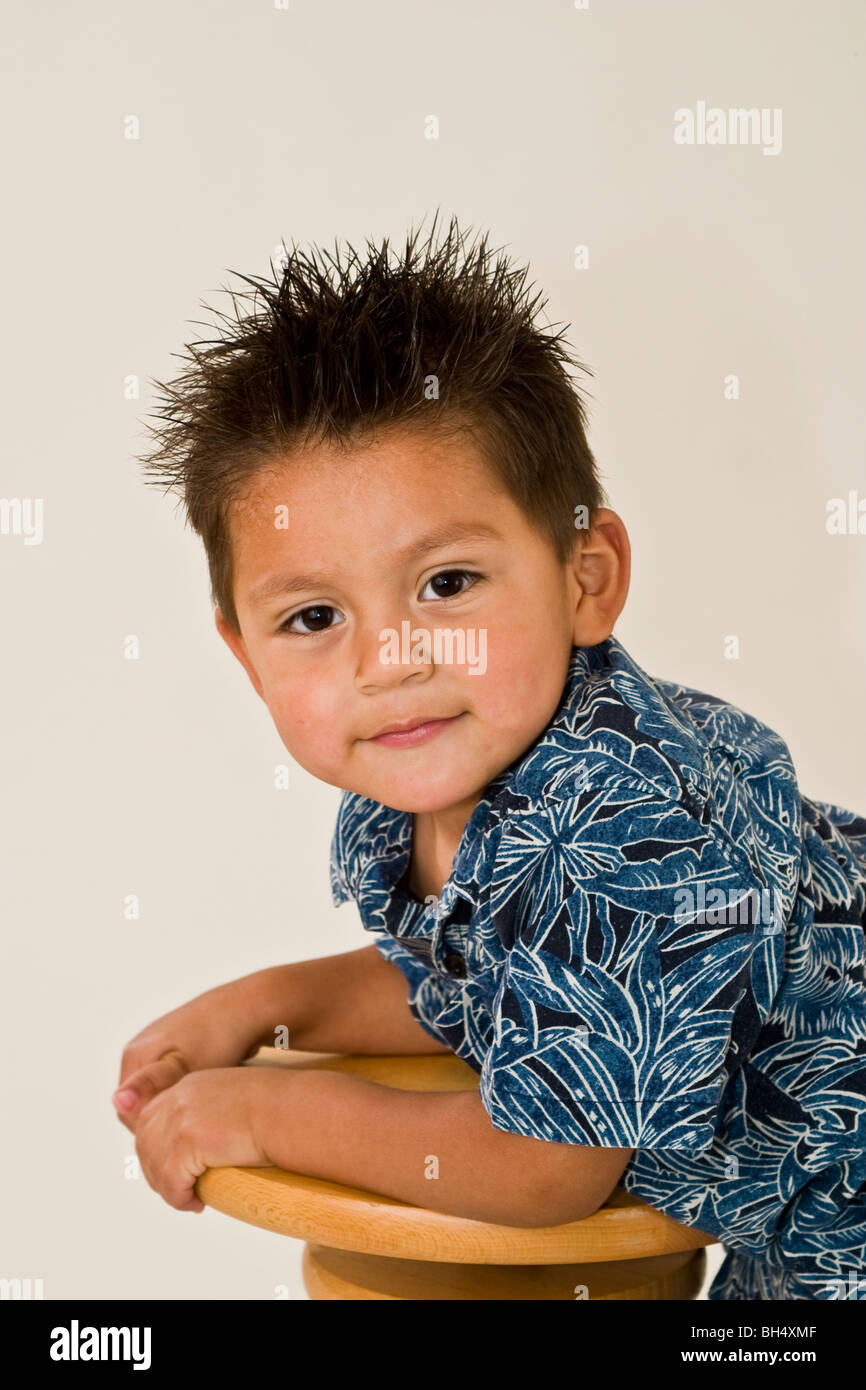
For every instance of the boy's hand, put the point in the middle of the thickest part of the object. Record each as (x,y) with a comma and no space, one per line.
(216,1029)
(205,1120)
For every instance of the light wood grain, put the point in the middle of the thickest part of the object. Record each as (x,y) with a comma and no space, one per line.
(343,1275)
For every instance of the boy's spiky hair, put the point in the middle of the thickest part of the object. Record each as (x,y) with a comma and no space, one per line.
(334,351)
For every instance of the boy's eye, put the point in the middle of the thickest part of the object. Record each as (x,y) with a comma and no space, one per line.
(315,619)
(446,579)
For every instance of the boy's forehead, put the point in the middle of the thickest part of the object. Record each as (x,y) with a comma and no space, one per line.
(396,461)
(387,483)
(395,489)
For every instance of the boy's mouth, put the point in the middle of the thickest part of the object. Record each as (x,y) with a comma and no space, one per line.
(412,731)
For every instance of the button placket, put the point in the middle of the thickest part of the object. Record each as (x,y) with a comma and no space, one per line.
(451,939)
(441,913)
(424,941)
(455,965)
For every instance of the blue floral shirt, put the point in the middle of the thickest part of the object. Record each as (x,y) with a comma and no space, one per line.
(650,939)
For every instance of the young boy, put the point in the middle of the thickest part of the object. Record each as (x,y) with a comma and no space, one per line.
(602,890)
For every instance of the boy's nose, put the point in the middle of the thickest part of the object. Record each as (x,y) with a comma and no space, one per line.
(388,656)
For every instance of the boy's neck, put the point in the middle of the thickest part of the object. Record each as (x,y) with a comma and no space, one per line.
(436,836)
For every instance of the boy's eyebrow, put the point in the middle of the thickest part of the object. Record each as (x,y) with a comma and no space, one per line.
(281,584)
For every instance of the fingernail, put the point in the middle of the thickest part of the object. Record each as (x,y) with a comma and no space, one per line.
(124,1100)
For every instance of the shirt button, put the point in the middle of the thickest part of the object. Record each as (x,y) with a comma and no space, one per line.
(455,965)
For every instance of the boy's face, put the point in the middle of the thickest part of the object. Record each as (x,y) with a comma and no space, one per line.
(409,534)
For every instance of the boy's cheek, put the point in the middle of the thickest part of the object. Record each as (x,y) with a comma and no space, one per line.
(319,747)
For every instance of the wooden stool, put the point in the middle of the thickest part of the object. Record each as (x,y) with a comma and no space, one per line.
(361,1245)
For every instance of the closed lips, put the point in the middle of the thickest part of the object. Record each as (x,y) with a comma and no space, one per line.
(412,724)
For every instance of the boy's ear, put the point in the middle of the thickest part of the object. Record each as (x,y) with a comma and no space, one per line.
(237,644)
(602,570)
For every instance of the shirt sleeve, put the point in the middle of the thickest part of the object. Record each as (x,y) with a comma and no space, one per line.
(430,996)
(613,1015)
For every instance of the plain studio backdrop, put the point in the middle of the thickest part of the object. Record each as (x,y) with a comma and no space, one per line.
(554,131)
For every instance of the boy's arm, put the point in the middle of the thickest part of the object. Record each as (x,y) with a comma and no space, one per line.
(435,1149)
(346,1129)
(353,1002)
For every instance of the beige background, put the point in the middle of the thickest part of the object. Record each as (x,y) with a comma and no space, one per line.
(155,776)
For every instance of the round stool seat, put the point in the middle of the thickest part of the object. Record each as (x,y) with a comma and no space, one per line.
(362,1245)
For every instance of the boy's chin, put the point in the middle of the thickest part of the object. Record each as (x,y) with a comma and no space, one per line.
(407,795)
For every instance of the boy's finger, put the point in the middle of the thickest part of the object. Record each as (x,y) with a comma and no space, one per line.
(145,1083)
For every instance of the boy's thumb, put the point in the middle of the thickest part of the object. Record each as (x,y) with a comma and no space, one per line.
(144,1084)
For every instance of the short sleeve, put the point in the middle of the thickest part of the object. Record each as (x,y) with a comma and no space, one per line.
(613,1017)
(430,997)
